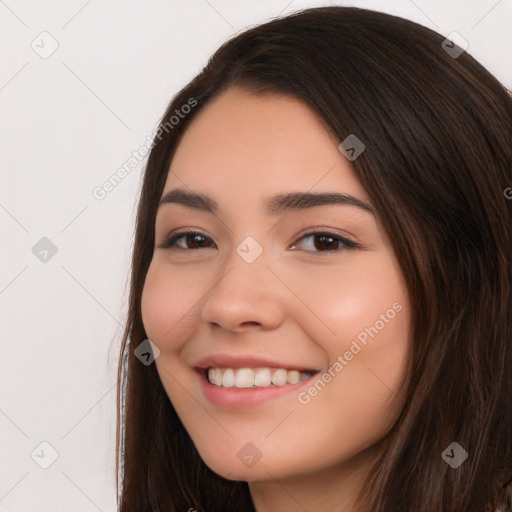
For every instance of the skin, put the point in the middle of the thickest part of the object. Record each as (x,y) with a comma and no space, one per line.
(298,302)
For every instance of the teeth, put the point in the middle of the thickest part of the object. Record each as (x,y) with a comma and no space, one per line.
(263,377)
(228,379)
(244,378)
(293,376)
(254,377)
(279,378)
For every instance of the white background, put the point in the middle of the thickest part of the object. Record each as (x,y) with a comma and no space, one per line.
(67,123)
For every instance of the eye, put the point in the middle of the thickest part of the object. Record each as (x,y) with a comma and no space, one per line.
(195,239)
(320,241)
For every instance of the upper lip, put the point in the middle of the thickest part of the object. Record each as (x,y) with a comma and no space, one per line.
(246,361)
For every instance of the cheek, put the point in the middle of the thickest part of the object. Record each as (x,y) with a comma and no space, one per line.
(359,311)
(167,303)
(339,301)
(370,316)
(367,299)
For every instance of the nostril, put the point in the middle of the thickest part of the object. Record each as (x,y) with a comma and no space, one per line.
(250,323)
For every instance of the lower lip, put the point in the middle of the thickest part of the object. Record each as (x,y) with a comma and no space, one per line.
(242,397)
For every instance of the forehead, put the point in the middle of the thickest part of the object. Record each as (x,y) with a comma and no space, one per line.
(254,145)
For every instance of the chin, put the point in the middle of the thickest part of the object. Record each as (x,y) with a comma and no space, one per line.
(232,468)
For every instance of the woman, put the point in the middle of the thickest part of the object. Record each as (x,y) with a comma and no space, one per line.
(322,265)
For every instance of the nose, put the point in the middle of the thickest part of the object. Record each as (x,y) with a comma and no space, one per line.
(245,296)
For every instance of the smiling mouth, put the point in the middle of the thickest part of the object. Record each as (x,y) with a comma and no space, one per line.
(262,377)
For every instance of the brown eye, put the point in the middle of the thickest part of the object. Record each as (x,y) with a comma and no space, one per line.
(323,242)
(192,240)
(326,242)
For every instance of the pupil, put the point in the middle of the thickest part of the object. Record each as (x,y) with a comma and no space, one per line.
(322,244)
(196,240)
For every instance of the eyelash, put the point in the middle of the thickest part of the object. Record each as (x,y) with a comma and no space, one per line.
(170,243)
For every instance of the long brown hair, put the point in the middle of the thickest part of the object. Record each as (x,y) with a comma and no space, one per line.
(437,164)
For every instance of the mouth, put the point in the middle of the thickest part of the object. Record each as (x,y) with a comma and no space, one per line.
(248,387)
(262,377)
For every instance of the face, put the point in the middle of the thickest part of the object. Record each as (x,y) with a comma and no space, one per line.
(296,309)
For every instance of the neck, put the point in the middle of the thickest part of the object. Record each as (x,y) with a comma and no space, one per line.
(333,488)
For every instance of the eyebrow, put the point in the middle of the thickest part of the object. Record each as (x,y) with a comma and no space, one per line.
(275,205)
